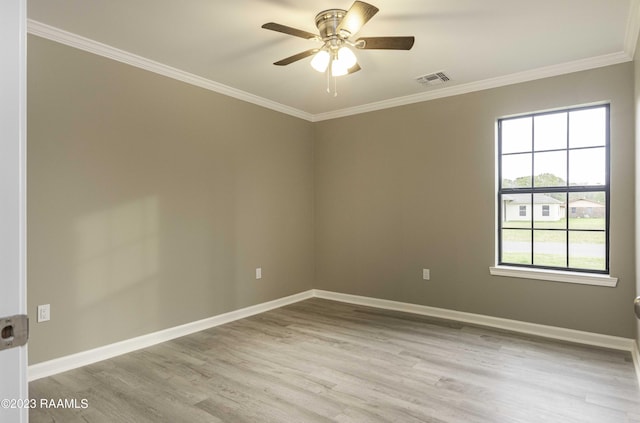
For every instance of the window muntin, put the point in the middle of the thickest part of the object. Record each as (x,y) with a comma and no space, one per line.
(555,167)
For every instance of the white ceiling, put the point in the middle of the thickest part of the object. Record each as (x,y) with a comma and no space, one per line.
(479,44)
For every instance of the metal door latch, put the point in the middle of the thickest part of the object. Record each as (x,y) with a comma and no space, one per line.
(636,307)
(14,331)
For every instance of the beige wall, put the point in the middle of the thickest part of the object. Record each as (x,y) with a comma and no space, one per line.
(636,64)
(411,187)
(151,202)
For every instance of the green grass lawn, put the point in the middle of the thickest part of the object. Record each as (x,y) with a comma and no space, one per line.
(595,263)
(591,223)
(512,232)
(555,236)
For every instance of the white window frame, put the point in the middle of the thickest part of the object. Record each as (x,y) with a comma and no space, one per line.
(554,275)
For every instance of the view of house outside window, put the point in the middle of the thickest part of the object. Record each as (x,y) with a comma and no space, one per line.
(553,190)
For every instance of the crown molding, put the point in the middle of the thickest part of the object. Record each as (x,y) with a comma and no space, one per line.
(501,81)
(73,40)
(633,28)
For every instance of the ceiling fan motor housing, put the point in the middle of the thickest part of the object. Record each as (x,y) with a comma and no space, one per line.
(327,22)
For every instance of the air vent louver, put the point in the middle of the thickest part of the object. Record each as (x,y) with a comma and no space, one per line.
(435,78)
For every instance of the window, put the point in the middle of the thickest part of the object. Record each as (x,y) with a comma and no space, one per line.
(556,164)
(545,211)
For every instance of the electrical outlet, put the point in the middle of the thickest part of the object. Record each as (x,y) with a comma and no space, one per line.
(426,274)
(258,272)
(44,313)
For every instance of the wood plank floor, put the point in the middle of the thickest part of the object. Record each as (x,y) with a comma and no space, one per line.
(323,361)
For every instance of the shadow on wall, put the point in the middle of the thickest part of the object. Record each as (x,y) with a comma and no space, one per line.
(116,261)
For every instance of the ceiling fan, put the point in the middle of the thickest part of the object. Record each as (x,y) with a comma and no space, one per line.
(336,27)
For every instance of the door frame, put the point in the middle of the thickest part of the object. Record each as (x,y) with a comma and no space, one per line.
(13,74)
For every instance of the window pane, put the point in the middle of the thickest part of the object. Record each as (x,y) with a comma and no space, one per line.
(587,250)
(547,161)
(550,169)
(516,246)
(516,170)
(550,248)
(549,211)
(516,211)
(588,127)
(516,135)
(587,210)
(550,132)
(587,167)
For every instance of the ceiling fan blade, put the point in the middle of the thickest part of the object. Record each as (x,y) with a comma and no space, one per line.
(296,57)
(289,31)
(353,69)
(358,15)
(385,43)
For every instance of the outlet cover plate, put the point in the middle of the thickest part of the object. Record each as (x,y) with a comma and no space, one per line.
(44,313)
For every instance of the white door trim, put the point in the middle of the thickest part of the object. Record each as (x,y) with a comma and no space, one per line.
(13,74)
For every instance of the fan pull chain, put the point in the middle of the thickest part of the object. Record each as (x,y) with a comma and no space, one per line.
(328,72)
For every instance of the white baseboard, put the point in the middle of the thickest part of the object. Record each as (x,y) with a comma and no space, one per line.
(59,365)
(73,361)
(635,354)
(552,332)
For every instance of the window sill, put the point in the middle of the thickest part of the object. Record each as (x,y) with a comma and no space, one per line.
(554,275)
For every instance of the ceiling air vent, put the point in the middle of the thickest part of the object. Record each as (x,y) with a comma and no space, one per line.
(435,78)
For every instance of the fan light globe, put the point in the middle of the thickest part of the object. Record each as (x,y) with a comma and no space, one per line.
(346,56)
(320,61)
(338,68)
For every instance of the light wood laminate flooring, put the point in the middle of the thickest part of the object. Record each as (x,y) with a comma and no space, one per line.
(323,361)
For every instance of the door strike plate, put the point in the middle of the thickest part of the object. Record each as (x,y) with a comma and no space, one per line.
(14,331)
